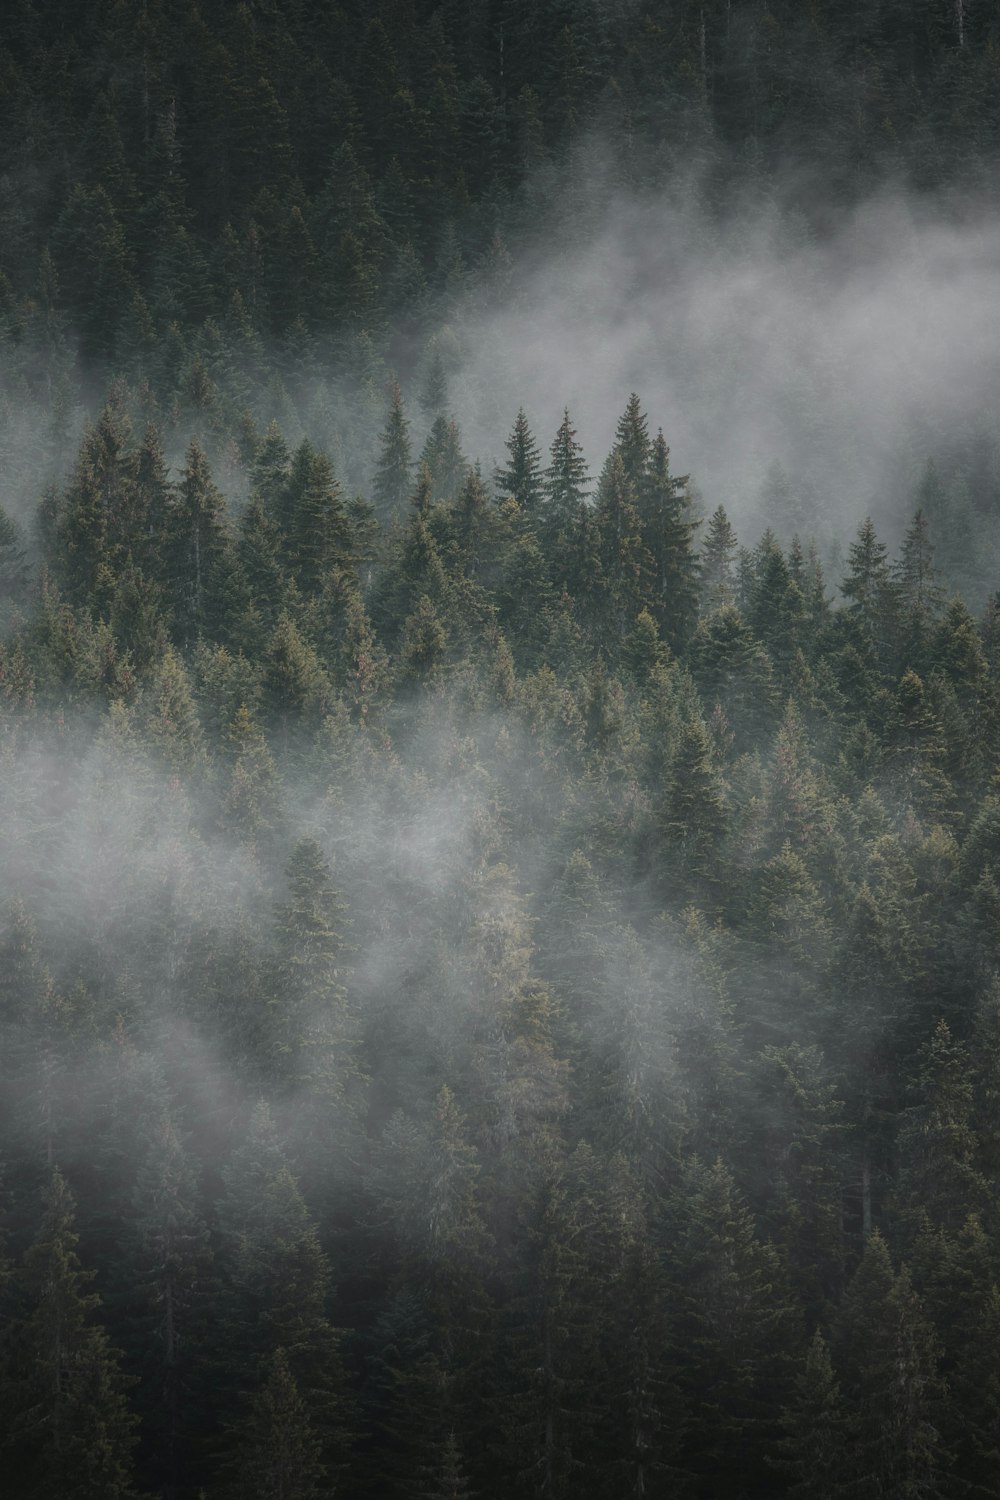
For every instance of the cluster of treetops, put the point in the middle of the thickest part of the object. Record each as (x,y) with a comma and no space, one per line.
(500,992)
(280,170)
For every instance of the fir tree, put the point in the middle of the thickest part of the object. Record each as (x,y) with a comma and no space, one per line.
(71,1429)
(565,490)
(521,476)
(395,463)
(718,551)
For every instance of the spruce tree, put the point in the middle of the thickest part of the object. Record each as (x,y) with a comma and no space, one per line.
(718,551)
(521,476)
(566,485)
(274,1296)
(888,1355)
(668,534)
(815,1448)
(395,462)
(278,1454)
(71,1431)
(319,533)
(197,550)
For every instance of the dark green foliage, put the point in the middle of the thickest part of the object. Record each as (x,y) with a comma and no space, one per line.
(392,477)
(69,1430)
(521,477)
(606,920)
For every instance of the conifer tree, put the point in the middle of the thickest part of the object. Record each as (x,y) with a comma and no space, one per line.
(521,476)
(815,1448)
(565,489)
(269,475)
(920,596)
(446,463)
(71,1432)
(938,1177)
(735,1326)
(172,1285)
(870,589)
(319,533)
(632,443)
(197,547)
(395,463)
(668,535)
(888,1355)
(274,1296)
(278,1453)
(625,562)
(313,1036)
(694,815)
(718,551)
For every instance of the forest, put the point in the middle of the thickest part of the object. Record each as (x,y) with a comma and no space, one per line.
(499,861)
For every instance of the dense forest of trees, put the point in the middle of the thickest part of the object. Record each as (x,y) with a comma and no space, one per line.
(499,971)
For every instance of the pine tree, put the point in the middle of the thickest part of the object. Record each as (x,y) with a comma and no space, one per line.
(259,553)
(395,462)
(632,443)
(172,722)
(694,815)
(668,535)
(13,567)
(732,669)
(718,551)
(625,563)
(938,1177)
(734,1326)
(565,490)
(314,1041)
(888,1355)
(197,547)
(71,1431)
(274,1296)
(93,520)
(293,683)
(521,476)
(870,589)
(318,529)
(920,596)
(446,463)
(269,475)
(171,1264)
(278,1452)
(816,1443)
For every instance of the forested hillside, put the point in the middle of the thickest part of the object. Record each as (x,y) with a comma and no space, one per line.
(499,942)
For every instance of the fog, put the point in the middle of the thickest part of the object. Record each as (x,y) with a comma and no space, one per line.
(847,357)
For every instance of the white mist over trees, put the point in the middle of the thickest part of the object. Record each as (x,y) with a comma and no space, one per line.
(499,723)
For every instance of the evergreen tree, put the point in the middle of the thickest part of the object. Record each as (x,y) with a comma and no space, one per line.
(521,476)
(313,1039)
(278,1453)
(735,1326)
(566,488)
(870,589)
(318,529)
(920,596)
(668,535)
(71,1432)
(718,551)
(625,563)
(888,1355)
(817,1438)
(395,463)
(694,815)
(632,443)
(197,549)
(274,1297)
